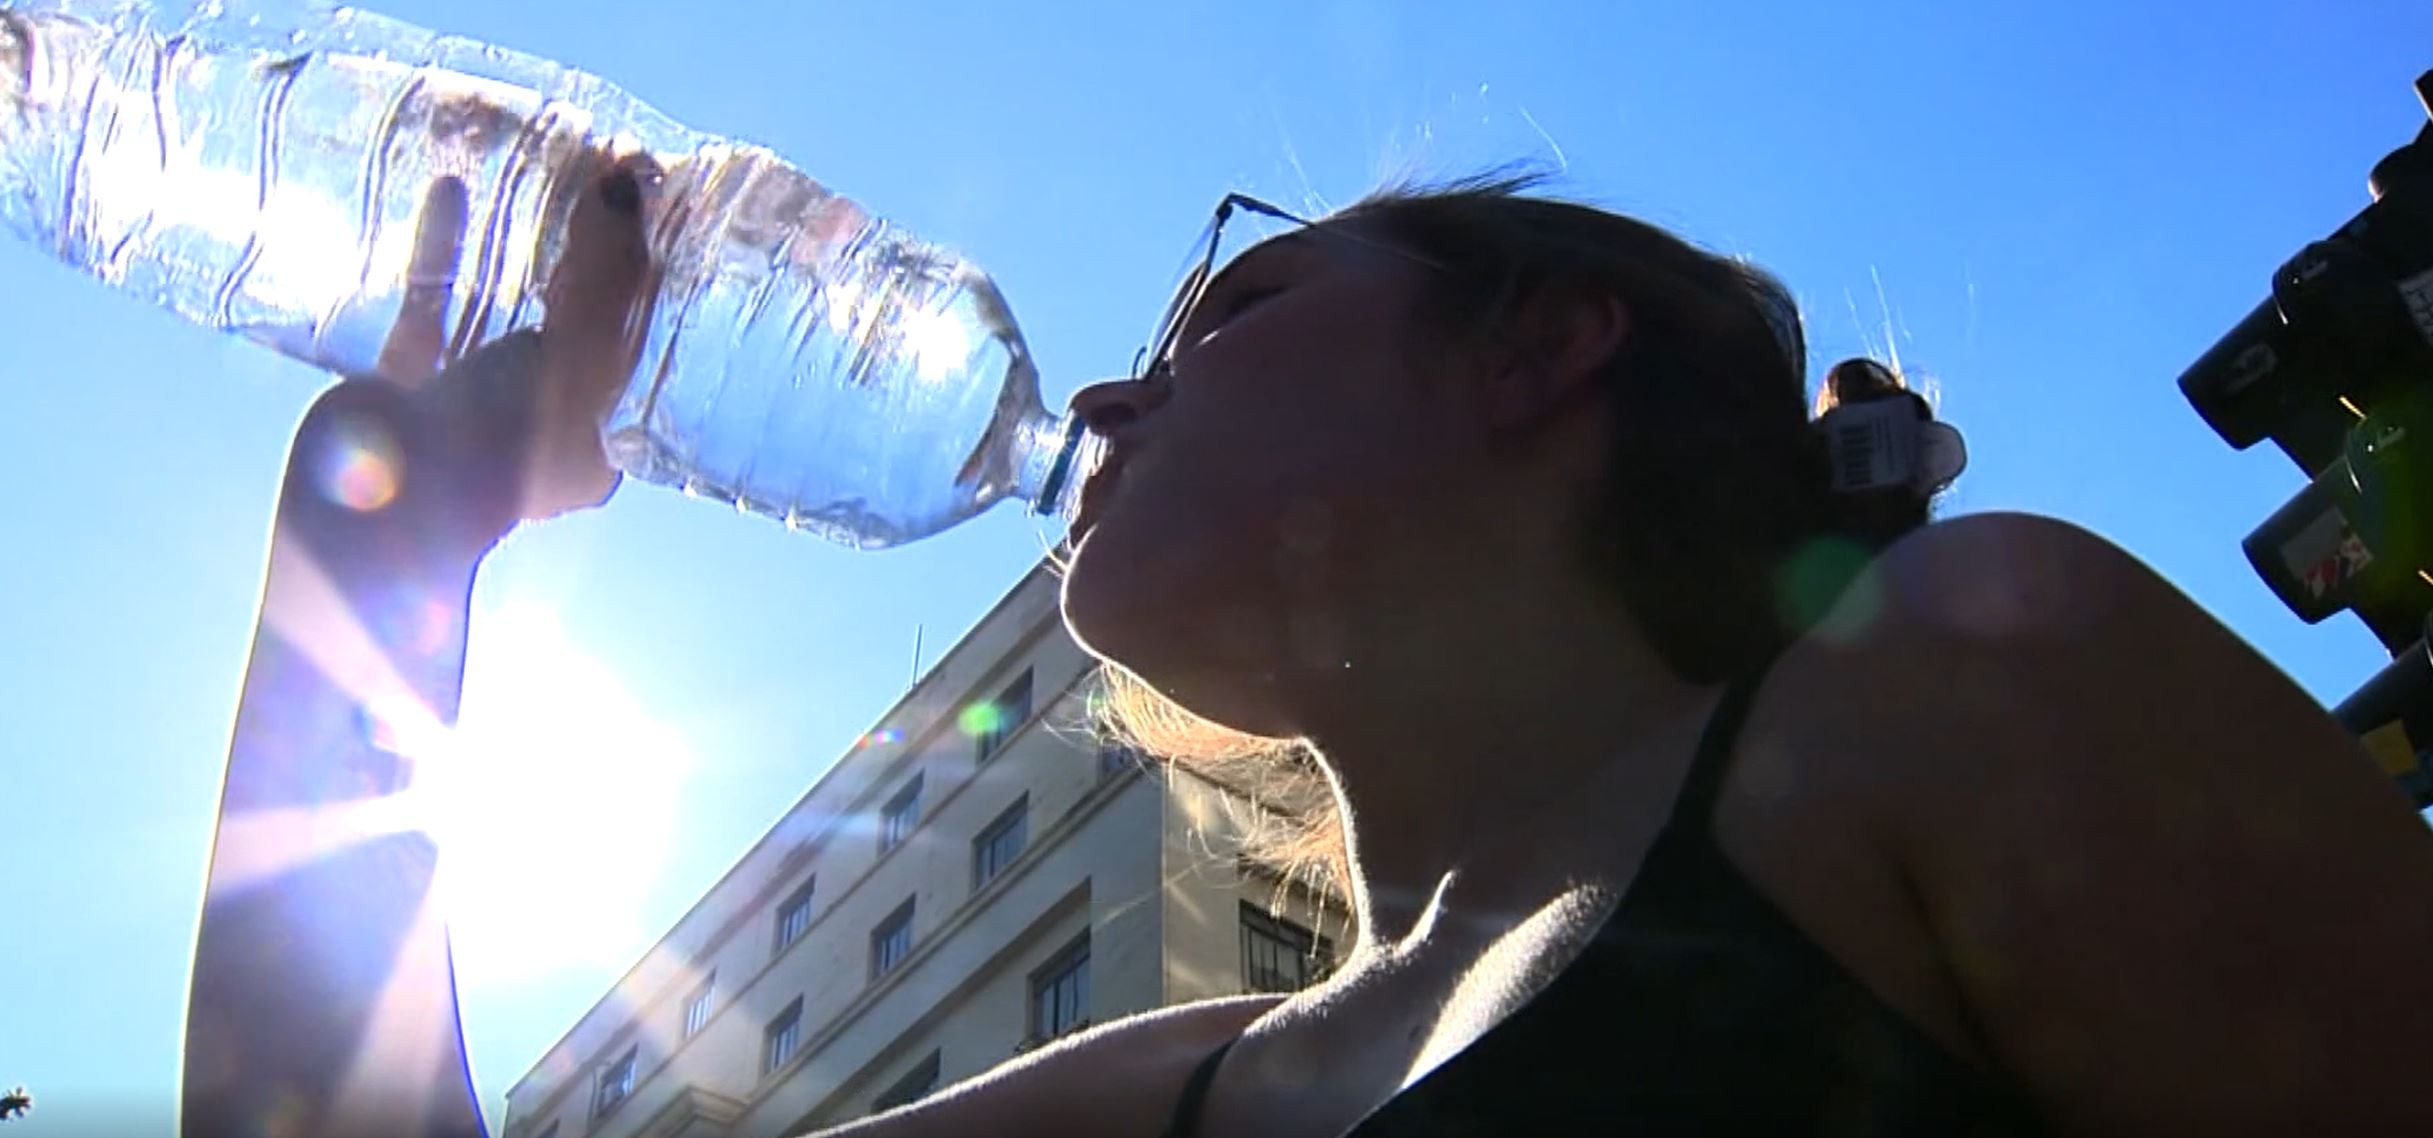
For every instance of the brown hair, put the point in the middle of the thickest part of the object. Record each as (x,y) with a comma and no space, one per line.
(1718,525)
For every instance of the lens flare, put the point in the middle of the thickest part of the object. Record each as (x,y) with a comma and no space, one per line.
(434,625)
(361,466)
(883,737)
(1827,578)
(980,719)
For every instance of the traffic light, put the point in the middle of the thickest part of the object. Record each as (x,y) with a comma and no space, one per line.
(2335,367)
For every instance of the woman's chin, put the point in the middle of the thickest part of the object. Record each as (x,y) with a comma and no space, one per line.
(1109,608)
(1131,610)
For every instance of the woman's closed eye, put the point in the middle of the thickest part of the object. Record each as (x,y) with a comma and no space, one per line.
(1218,311)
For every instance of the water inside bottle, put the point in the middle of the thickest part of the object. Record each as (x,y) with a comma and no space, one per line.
(802,358)
(279,196)
(818,365)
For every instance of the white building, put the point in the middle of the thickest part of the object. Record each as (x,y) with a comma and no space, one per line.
(979,876)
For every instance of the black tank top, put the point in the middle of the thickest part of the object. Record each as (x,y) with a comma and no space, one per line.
(1698,1008)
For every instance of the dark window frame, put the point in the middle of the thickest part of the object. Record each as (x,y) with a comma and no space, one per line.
(1012,709)
(701,1005)
(1312,954)
(899,920)
(789,1024)
(602,1099)
(1046,1019)
(988,863)
(900,816)
(916,1084)
(799,901)
(1115,759)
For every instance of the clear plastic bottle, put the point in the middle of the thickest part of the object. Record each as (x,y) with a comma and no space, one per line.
(260,167)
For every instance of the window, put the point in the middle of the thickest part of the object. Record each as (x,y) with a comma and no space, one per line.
(997,721)
(1002,842)
(891,942)
(913,1087)
(1060,992)
(779,1040)
(616,1082)
(697,1009)
(1280,956)
(794,915)
(901,814)
(1116,758)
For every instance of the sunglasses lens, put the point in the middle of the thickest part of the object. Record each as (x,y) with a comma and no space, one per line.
(1187,285)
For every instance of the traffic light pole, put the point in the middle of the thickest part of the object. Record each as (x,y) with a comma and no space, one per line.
(2335,367)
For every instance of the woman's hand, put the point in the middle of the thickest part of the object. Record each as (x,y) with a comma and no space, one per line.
(537,397)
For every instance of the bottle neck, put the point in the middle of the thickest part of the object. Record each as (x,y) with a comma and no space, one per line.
(1053,457)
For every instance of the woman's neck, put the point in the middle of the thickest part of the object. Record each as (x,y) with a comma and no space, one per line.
(1481,755)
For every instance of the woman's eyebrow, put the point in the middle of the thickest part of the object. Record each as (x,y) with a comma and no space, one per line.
(1289,239)
(1282,244)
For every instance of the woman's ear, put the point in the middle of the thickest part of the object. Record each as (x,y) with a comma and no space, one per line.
(1556,342)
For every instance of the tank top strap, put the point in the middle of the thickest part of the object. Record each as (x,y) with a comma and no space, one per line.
(1187,1106)
(1696,803)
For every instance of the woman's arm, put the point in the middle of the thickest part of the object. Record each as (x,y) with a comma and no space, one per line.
(2175,896)
(1119,1080)
(322,1000)
(321,986)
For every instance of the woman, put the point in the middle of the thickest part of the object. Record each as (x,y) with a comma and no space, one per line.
(1506,507)
(1679,793)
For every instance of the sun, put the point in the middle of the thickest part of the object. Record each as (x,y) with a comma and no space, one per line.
(553,804)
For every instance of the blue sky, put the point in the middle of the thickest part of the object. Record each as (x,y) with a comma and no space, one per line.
(2051,207)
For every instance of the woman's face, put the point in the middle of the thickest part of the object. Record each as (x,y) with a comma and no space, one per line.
(1301,434)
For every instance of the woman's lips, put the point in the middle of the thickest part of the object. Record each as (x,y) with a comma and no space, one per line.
(1094,493)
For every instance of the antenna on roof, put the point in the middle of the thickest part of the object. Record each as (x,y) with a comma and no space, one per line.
(916,657)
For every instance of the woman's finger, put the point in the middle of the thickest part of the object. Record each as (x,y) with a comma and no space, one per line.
(598,306)
(596,296)
(416,346)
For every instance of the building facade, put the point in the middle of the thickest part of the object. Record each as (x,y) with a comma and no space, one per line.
(979,876)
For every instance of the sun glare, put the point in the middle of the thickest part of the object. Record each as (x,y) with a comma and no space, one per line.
(938,343)
(553,806)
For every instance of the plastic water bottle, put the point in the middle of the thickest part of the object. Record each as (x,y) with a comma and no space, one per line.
(261,167)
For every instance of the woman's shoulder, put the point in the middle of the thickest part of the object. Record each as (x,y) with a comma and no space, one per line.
(1996,657)
(1996,576)
(1989,641)
(2088,785)
(1979,620)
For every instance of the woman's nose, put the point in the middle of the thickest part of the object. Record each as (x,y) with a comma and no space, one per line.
(1111,406)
